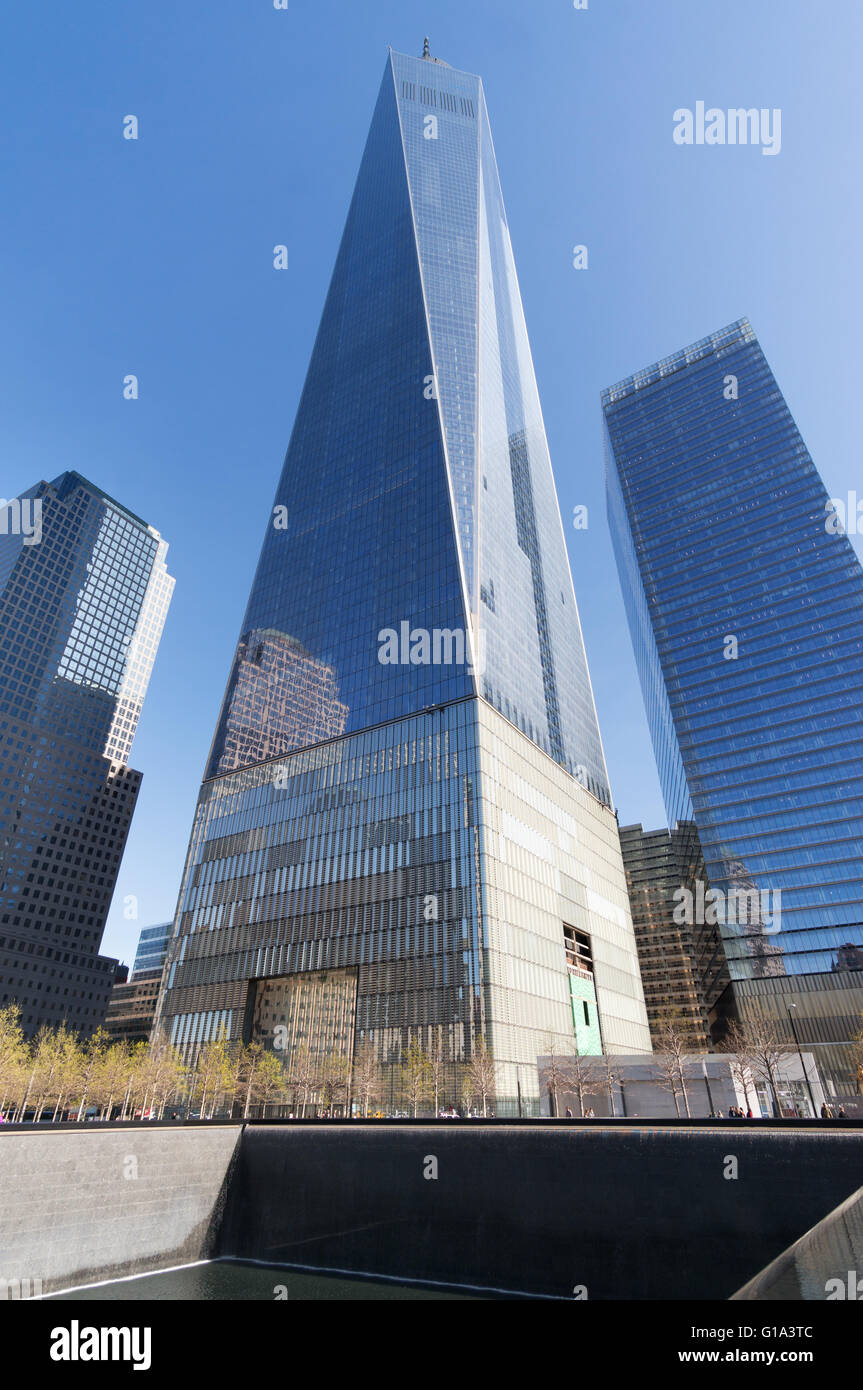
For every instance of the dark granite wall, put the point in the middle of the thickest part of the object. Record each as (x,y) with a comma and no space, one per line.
(627,1213)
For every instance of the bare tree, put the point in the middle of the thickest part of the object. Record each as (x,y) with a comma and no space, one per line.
(768,1050)
(367,1076)
(581,1077)
(303,1076)
(481,1074)
(737,1045)
(335,1080)
(672,1044)
(554,1074)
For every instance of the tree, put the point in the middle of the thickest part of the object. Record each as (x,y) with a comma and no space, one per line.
(737,1045)
(481,1072)
(415,1076)
(109,1081)
(215,1073)
(52,1050)
(581,1077)
(135,1080)
(768,1050)
(164,1072)
(335,1080)
(555,1075)
(91,1059)
(466,1092)
(250,1057)
(672,1043)
(438,1063)
(13,1055)
(367,1076)
(270,1080)
(303,1076)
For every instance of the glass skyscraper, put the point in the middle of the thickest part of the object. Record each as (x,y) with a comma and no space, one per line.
(746,612)
(406,796)
(84,593)
(152,950)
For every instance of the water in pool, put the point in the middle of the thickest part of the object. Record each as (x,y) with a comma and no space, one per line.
(233,1281)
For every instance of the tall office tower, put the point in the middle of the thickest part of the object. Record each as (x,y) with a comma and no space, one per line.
(152,950)
(83,598)
(746,612)
(405,823)
(683,967)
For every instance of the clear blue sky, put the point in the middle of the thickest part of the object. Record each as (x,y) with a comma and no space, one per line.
(155,258)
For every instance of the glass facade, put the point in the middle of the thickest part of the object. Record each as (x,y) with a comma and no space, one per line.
(683,967)
(746,613)
(413,575)
(152,949)
(417,485)
(82,606)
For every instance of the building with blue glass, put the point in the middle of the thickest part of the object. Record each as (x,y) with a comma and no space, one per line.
(152,950)
(405,832)
(745,605)
(84,593)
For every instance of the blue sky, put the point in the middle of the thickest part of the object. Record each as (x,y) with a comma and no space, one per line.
(155,258)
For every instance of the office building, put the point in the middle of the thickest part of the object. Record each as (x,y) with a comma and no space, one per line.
(745,605)
(83,596)
(405,833)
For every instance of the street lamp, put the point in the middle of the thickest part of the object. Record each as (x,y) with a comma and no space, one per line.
(789,1007)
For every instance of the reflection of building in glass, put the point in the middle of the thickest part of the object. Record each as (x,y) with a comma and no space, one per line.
(81,613)
(312,1011)
(752,918)
(435,827)
(281,698)
(745,608)
(683,966)
(849,957)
